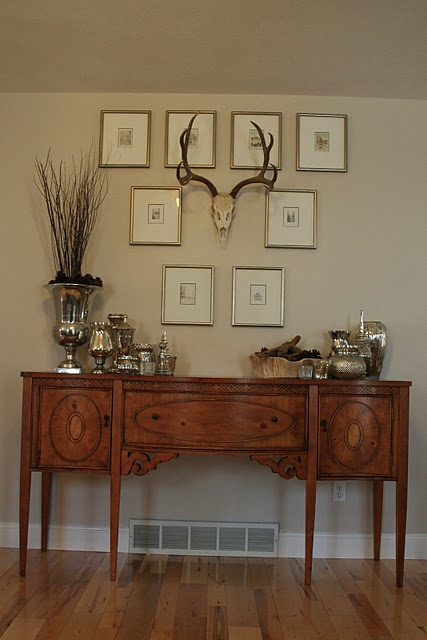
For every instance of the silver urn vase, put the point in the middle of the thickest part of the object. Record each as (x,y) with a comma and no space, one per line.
(71,329)
(375,333)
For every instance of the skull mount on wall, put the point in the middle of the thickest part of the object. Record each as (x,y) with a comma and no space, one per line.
(223,204)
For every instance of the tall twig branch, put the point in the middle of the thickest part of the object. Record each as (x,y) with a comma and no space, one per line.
(73,198)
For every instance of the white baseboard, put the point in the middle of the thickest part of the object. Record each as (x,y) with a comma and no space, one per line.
(291,545)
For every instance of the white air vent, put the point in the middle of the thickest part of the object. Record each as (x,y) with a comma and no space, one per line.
(204,538)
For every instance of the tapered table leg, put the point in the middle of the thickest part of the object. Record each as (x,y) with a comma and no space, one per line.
(378,516)
(46,490)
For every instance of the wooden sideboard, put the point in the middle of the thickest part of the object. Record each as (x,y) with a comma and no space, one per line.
(309,429)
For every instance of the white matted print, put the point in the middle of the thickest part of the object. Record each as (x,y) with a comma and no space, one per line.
(155,216)
(246,147)
(290,218)
(321,142)
(125,139)
(187,294)
(258,296)
(201,147)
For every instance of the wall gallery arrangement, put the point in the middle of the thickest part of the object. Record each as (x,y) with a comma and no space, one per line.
(258,293)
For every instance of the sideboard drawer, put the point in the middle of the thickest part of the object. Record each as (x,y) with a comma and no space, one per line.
(212,422)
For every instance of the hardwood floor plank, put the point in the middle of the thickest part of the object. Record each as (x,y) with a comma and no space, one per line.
(369,616)
(241,605)
(195,570)
(23,629)
(95,597)
(216,583)
(350,627)
(389,607)
(191,612)
(217,626)
(138,617)
(268,617)
(244,633)
(69,596)
(8,557)
(80,625)
(164,618)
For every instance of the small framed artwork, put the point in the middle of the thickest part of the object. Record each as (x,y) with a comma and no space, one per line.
(258,296)
(290,218)
(125,139)
(246,147)
(321,142)
(187,294)
(155,215)
(201,147)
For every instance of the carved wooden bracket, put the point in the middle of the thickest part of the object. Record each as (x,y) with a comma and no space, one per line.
(286,466)
(142,463)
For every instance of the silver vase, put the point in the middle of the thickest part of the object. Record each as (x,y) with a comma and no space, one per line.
(71,329)
(375,333)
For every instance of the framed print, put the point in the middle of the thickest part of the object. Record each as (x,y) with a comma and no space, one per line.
(258,296)
(125,139)
(187,294)
(201,148)
(246,149)
(321,142)
(155,215)
(290,218)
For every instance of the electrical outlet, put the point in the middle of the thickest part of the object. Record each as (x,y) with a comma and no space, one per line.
(339,491)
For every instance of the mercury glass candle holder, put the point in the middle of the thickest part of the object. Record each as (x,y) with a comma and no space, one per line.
(100,345)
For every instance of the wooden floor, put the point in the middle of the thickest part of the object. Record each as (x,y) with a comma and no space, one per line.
(67,595)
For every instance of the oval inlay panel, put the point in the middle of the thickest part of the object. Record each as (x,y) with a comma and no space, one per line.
(202,421)
(75,428)
(354,435)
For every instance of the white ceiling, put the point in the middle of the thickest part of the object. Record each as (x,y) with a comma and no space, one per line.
(371,48)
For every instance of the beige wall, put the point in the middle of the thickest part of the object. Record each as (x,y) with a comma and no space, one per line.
(370,255)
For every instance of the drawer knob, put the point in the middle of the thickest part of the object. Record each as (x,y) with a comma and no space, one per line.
(155,416)
(263,425)
(274,419)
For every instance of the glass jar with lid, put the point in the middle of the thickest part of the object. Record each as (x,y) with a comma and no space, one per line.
(146,359)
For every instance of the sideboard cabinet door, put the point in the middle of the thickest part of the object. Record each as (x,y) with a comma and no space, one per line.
(74,429)
(355,437)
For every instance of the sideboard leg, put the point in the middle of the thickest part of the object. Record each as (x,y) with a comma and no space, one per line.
(25,475)
(378,515)
(401,505)
(310,508)
(24,512)
(115,475)
(311,482)
(402,486)
(46,489)
(114,521)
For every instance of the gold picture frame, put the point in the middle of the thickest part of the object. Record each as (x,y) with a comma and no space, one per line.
(321,142)
(155,216)
(202,144)
(187,294)
(125,139)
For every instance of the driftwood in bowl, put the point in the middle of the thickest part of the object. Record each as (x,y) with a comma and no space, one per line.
(273,367)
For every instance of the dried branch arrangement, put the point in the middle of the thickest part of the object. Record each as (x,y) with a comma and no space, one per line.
(73,197)
(289,351)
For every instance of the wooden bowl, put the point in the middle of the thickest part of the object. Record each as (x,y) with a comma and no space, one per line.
(271,367)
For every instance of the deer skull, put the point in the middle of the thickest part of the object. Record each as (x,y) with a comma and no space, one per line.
(223,204)
(222,213)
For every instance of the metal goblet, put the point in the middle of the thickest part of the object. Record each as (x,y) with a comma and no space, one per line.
(100,345)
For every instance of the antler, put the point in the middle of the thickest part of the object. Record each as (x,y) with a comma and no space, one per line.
(184,140)
(260,178)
